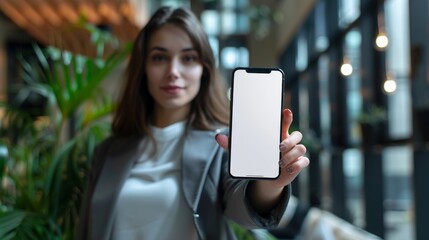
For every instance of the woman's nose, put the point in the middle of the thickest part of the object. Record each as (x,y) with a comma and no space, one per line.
(174,69)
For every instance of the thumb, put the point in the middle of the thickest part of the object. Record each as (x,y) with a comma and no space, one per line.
(286,122)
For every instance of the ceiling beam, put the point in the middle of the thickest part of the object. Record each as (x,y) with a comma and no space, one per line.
(56,22)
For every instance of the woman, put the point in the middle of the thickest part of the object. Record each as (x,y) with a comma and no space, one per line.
(162,175)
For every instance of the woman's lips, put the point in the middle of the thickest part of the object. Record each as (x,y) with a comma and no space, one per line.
(172,89)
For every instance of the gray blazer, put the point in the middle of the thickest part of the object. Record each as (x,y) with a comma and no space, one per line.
(212,195)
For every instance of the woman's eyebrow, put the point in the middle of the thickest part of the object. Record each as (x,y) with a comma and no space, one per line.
(188,49)
(162,49)
(158,48)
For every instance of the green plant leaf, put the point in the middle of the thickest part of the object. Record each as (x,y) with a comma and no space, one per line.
(67,79)
(96,112)
(53,179)
(4,155)
(373,115)
(10,221)
(80,79)
(25,225)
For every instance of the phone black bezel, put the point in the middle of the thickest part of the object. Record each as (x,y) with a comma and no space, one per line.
(262,70)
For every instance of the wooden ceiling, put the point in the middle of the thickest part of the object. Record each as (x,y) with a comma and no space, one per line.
(54,22)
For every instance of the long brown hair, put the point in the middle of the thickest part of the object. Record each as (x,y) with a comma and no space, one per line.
(210,106)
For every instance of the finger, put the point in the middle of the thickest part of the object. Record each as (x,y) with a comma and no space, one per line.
(295,153)
(296,167)
(291,171)
(287,121)
(222,140)
(288,143)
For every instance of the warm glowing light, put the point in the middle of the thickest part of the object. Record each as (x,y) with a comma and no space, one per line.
(382,41)
(389,86)
(346,69)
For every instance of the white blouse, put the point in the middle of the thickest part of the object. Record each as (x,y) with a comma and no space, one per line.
(151,204)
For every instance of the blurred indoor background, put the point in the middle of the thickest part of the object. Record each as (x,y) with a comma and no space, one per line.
(356,78)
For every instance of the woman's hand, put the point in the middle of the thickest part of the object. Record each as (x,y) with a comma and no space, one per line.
(264,194)
(292,161)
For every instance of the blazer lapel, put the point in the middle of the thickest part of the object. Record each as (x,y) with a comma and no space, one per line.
(121,155)
(199,150)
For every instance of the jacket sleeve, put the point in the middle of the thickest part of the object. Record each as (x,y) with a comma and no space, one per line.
(83,227)
(237,204)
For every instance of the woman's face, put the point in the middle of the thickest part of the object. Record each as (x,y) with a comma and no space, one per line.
(173,69)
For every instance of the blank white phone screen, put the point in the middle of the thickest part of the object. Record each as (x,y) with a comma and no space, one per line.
(255,131)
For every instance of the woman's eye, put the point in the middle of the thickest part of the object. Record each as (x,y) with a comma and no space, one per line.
(158,58)
(190,58)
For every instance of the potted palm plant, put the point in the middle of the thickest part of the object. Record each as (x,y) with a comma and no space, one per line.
(43,158)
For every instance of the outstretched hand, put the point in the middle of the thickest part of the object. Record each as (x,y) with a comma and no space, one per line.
(264,195)
(292,160)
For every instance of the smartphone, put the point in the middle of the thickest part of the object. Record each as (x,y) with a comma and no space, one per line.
(256,122)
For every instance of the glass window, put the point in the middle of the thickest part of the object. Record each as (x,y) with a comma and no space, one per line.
(349,11)
(397,161)
(229,4)
(234,17)
(302,53)
(229,22)
(210,20)
(353,173)
(397,64)
(242,3)
(325,105)
(398,203)
(243,24)
(322,41)
(235,56)
(235,4)
(214,43)
(352,48)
